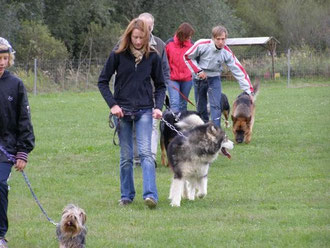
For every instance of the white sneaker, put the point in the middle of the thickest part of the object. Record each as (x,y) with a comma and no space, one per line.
(3,243)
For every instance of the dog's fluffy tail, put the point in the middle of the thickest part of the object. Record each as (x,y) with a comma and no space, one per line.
(189,122)
(256,86)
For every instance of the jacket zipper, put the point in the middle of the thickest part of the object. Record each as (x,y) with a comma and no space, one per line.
(134,104)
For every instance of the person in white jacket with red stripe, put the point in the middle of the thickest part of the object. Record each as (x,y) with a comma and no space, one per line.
(205,59)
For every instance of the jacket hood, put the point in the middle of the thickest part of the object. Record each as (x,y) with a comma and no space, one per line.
(178,43)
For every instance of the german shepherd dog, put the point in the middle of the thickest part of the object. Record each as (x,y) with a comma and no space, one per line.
(243,115)
(166,133)
(225,108)
(190,155)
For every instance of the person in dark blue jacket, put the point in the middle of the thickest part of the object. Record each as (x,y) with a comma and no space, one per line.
(16,131)
(134,102)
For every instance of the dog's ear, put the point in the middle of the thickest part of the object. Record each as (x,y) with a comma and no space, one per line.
(83,217)
(212,129)
(233,118)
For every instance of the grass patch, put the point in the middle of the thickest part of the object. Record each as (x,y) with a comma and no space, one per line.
(274,192)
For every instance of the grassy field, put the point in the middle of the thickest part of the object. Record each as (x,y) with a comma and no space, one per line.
(274,192)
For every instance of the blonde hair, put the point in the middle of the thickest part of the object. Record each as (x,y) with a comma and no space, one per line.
(11,55)
(126,41)
(219,30)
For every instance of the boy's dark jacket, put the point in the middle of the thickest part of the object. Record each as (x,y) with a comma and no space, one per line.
(16,131)
(133,88)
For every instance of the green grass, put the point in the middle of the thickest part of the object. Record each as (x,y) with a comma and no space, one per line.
(274,192)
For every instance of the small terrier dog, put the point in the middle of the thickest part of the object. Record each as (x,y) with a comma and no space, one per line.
(71,231)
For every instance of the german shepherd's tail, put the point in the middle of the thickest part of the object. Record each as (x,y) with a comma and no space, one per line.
(256,86)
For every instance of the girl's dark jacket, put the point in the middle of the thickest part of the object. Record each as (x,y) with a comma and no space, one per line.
(133,89)
(16,131)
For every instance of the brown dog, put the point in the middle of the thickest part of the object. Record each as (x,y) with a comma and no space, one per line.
(243,115)
(71,231)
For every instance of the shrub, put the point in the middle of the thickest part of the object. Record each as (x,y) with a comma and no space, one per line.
(35,41)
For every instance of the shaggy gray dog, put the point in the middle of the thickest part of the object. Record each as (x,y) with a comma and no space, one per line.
(190,155)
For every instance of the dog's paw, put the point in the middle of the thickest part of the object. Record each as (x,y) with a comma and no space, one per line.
(227,125)
(201,195)
(191,198)
(175,204)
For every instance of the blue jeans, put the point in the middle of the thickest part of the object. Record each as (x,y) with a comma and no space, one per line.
(5,169)
(210,87)
(177,102)
(143,128)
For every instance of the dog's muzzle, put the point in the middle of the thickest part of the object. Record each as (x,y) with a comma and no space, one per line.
(227,145)
(239,136)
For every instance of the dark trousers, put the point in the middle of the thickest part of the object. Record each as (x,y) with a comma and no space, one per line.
(201,87)
(5,169)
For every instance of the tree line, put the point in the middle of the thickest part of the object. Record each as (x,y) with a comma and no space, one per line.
(69,29)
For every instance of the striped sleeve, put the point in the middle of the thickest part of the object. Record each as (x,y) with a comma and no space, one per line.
(192,54)
(22,156)
(238,71)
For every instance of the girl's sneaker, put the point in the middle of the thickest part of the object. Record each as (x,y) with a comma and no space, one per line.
(3,243)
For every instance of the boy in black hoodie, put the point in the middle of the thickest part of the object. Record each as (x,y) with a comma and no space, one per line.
(16,131)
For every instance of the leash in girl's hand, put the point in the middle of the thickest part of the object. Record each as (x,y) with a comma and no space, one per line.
(12,159)
(112,125)
(130,115)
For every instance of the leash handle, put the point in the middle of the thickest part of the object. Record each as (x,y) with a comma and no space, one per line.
(111,124)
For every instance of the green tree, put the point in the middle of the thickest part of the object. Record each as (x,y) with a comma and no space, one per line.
(35,41)
(31,10)
(169,14)
(202,15)
(69,20)
(292,22)
(305,22)
(100,40)
(9,21)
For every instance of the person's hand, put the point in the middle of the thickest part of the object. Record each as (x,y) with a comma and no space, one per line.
(202,75)
(20,165)
(157,114)
(117,111)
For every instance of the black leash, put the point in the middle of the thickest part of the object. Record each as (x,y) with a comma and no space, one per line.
(112,125)
(12,159)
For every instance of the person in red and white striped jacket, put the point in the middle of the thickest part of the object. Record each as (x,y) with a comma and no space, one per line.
(205,59)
